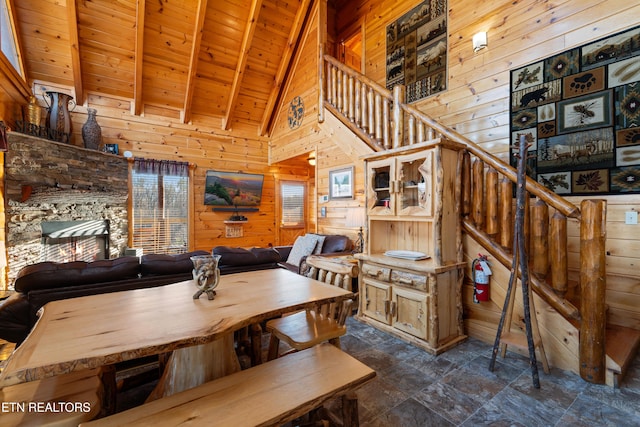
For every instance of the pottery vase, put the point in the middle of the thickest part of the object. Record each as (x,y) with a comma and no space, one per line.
(91,132)
(58,122)
(33,111)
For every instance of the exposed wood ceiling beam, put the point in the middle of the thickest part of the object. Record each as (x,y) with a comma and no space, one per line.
(193,62)
(256,5)
(283,67)
(139,58)
(76,67)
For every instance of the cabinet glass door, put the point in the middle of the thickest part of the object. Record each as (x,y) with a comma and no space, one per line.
(380,197)
(415,184)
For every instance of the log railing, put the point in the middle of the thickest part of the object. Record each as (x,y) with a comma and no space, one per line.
(382,119)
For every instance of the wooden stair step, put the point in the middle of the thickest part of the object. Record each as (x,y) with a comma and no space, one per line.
(621,347)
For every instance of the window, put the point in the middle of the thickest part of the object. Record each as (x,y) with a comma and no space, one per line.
(160,203)
(292,197)
(7,39)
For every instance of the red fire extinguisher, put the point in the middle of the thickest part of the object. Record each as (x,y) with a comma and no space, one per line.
(481,273)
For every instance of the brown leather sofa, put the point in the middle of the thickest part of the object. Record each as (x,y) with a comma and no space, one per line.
(37,284)
(238,260)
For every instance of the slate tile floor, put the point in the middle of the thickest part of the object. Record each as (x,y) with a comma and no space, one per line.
(456,388)
(415,388)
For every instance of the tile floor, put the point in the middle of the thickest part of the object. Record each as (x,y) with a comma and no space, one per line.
(456,388)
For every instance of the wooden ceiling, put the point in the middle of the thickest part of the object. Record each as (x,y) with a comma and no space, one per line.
(188,60)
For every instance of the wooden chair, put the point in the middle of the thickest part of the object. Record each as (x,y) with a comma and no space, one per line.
(326,322)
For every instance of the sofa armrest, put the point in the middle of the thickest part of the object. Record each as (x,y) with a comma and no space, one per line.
(14,318)
(284,251)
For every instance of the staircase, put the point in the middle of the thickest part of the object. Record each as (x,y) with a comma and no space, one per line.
(381,119)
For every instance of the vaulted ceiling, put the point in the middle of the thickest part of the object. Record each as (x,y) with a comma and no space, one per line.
(224,60)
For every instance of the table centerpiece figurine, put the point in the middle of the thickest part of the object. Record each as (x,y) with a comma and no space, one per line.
(206,274)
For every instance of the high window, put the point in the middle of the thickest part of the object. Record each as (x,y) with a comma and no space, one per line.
(160,201)
(7,37)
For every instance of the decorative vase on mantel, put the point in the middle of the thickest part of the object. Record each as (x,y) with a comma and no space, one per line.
(91,132)
(58,116)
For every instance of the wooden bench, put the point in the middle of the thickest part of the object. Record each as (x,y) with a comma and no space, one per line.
(265,395)
(61,400)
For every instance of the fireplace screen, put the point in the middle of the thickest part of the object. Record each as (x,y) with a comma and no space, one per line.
(65,241)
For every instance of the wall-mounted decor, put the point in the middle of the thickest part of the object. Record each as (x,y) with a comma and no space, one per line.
(417,50)
(341,183)
(582,110)
(228,190)
(295,113)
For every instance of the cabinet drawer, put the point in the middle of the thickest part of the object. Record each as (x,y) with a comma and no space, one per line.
(376,272)
(411,280)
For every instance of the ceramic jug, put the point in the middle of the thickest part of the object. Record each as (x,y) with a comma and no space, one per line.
(206,274)
(58,121)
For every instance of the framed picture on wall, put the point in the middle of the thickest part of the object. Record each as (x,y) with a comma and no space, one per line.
(341,183)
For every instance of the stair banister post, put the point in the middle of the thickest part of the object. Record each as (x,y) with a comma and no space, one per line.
(593,285)
(322,81)
(398,115)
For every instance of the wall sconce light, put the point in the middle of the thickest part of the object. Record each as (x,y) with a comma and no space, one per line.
(479,41)
(312,158)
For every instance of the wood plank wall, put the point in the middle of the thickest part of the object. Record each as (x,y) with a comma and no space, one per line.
(476,104)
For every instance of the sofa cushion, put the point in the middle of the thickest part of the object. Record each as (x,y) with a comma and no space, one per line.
(46,275)
(336,243)
(161,264)
(302,247)
(320,238)
(241,256)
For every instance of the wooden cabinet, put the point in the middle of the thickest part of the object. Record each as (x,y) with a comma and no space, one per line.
(413,205)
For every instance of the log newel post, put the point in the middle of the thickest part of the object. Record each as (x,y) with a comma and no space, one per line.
(593,291)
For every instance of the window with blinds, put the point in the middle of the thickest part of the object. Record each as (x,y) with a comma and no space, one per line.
(292,197)
(160,211)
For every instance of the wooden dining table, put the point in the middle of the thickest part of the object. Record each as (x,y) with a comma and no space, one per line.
(105,329)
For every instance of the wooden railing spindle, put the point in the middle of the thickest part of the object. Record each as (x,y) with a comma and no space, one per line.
(411,128)
(386,123)
(491,198)
(558,253)
(477,210)
(357,101)
(378,117)
(351,99)
(540,239)
(398,116)
(466,184)
(505,238)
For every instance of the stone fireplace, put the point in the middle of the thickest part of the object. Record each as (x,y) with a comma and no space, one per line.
(67,197)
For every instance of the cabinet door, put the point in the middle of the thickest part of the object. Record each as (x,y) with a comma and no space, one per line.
(414,196)
(376,301)
(409,312)
(380,187)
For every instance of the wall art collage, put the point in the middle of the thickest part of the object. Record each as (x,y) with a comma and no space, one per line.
(417,50)
(581,109)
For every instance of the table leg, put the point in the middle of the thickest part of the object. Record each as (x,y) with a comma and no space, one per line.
(191,366)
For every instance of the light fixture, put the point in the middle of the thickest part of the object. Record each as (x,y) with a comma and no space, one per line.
(357,217)
(479,41)
(312,158)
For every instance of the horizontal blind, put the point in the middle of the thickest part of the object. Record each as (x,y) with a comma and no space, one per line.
(160,213)
(292,195)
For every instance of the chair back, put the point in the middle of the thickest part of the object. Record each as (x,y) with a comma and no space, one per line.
(332,271)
